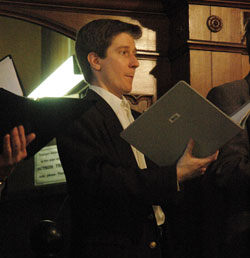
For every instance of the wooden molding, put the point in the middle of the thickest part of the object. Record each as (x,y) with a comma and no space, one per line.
(225,3)
(140,103)
(173,4)
(38,19)
(132,7)
(217,46)
(207,46)
(135,99)
(50,13)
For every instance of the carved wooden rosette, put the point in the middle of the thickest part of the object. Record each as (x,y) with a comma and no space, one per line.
(214,23)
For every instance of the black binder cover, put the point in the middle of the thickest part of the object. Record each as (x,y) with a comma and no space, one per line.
(44,117)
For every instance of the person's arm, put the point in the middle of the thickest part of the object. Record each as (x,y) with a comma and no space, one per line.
(232,168)
(94,169)
(14,150)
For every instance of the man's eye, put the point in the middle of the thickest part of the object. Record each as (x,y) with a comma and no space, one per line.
(124,53)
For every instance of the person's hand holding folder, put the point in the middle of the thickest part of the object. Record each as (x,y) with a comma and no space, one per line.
(14,150)
(189,166)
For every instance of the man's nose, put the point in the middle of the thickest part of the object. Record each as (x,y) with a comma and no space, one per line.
(134,61)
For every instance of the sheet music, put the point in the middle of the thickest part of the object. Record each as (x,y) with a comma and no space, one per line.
(8,76)
(241,115)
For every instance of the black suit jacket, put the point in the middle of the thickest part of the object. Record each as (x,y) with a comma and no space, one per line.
(226,185)
(111,198)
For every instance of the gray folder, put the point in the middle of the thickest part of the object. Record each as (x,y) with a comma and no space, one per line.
(163,131)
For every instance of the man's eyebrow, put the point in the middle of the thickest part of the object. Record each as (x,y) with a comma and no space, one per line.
(122,47)
(127,47)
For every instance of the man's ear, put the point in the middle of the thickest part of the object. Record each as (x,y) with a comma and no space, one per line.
(93,59)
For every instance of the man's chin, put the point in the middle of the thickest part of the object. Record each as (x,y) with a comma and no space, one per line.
(127,90)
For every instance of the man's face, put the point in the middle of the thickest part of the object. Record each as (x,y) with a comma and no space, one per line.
(118,67)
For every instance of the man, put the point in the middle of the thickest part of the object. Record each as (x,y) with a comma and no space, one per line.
(226,185)
(117,198)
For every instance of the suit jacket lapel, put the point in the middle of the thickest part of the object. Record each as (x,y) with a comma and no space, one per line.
(113,128)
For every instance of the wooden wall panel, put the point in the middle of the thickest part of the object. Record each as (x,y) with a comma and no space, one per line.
(201,74)
(144,82)
(226,67)
(232,22)
(68,21)
(228,58)
(198,29)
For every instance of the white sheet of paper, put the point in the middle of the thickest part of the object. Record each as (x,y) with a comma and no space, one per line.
(8,76)
(48,168)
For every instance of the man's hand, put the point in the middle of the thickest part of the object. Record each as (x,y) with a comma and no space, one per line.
(14,150)
(189,166)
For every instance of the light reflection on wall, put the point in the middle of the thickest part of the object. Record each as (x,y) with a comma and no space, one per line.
(61,81)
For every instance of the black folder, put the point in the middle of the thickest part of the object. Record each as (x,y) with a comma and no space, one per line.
(45,117)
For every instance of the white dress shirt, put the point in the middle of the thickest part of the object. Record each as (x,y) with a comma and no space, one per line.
(122,110)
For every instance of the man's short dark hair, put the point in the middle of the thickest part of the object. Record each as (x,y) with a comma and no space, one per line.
(96,37)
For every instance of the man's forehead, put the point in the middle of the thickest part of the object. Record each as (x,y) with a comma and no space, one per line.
(123,40)
(123,35)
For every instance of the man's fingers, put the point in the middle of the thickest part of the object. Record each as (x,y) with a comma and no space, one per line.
(22,138)
(205,162)
(25,140)
(216,154)
(7,150)
(190,147)
(29,138)
(15,141)
(14,149)
(19,142)
(209,159)
(203,169)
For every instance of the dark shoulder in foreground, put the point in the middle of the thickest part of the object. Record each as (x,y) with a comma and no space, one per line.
(230,94)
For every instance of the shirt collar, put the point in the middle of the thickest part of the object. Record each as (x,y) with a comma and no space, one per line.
(110,98)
